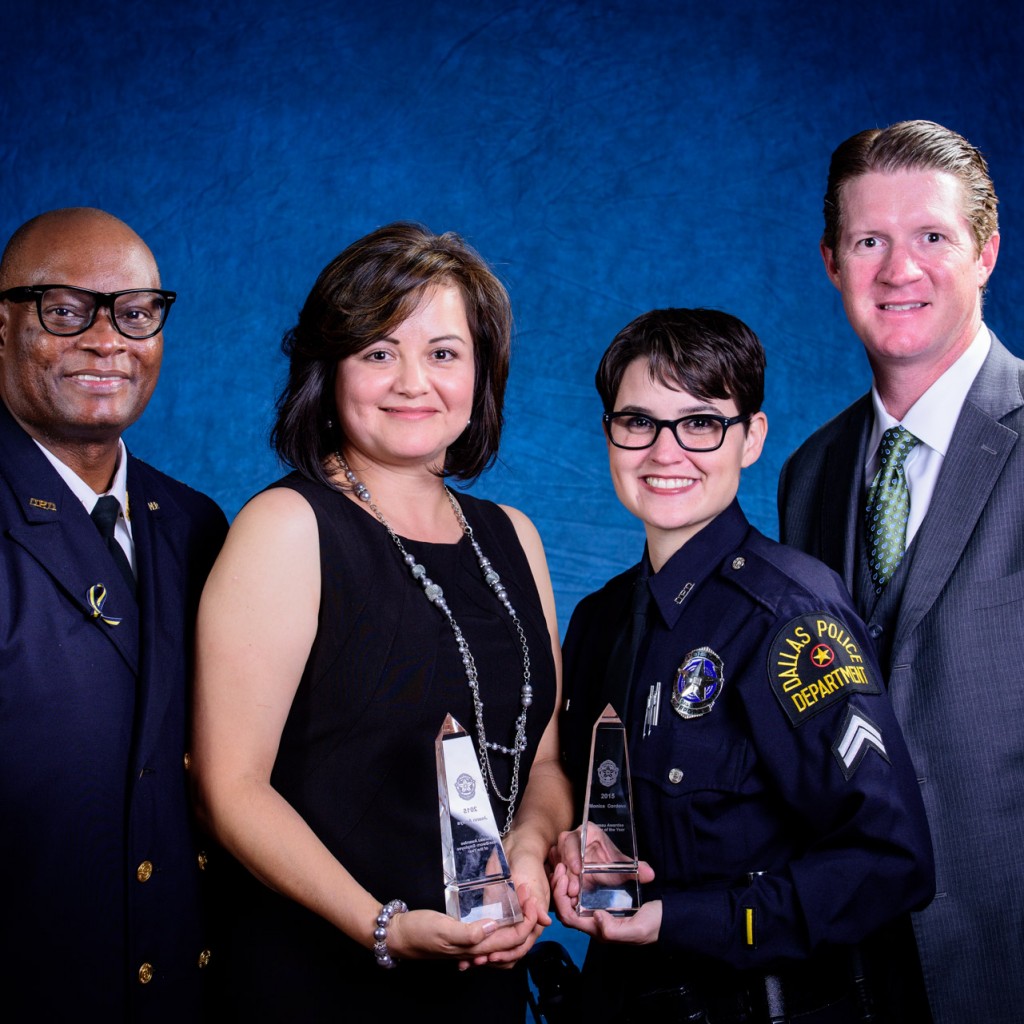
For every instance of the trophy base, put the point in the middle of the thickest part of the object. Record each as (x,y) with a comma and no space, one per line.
(482,901)
(615,892)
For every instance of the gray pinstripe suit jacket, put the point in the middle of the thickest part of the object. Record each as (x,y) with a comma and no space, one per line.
(950,640)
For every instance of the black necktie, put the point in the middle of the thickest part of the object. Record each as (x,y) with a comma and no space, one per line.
(104,515)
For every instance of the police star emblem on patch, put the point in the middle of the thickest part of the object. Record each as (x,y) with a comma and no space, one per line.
(823,655)
(699,681)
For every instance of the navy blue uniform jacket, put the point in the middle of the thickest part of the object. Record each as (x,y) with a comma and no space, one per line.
(763,782)
(100,917)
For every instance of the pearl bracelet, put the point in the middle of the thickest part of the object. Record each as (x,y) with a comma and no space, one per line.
(380,933)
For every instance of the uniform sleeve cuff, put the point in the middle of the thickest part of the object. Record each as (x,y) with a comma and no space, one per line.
(697,922)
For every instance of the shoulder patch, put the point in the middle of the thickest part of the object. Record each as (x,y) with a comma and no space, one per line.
(813,662)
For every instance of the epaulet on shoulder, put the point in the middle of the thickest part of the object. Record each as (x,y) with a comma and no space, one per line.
(766,569)
(177,489)
(164,478)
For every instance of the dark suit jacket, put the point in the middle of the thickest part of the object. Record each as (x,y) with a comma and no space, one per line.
(952,647)
(99,862)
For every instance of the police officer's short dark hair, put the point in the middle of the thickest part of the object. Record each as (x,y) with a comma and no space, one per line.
(706,352)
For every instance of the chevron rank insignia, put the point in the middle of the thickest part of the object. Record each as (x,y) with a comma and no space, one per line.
(857,736)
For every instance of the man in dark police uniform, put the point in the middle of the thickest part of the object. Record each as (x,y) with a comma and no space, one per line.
(101,562)
(911,238)
(774,797)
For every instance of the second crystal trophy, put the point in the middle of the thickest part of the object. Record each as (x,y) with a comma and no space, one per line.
(477,882)
(608,837)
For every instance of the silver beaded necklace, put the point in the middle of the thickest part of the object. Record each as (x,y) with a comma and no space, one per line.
(435,595)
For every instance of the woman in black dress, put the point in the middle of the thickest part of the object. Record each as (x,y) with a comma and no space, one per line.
(327,663)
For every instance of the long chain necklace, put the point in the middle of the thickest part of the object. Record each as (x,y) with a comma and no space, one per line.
(435,595)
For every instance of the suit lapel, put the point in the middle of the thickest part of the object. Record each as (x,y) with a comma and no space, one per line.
(978,450)
(161,598)
(840,511)
(58,533)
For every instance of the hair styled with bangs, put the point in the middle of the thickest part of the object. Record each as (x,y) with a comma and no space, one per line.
(705,352)
(361,296)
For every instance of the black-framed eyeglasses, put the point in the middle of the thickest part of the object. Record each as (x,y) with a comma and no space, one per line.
(699,432)
(136,313)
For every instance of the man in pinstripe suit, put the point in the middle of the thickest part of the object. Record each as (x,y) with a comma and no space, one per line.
(911,238)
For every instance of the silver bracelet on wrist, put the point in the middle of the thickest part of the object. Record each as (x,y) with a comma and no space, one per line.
(380,933)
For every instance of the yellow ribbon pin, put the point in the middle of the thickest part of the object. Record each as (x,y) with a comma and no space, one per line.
(97,598)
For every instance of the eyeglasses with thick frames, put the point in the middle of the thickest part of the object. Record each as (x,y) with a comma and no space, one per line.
(136,313)
(699,432)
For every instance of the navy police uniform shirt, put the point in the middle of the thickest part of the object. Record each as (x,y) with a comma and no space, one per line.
(774,752)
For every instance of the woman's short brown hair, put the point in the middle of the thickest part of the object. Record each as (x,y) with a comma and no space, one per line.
(361,296)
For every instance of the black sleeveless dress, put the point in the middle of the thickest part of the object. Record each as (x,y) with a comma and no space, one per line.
(357,761)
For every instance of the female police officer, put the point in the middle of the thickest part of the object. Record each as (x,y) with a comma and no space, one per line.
(774,797)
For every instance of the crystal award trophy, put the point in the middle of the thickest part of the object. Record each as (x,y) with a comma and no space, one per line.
(477,883)
(608,838)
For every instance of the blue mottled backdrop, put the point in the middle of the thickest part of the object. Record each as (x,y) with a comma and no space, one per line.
(606,157)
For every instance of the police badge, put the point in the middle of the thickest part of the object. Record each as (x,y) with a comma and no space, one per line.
(699,681)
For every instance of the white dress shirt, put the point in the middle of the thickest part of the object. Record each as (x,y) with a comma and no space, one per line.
(88,497)
(931,419)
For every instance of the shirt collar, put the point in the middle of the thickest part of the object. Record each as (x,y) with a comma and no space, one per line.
(82,491)
(697,559)
(932,418)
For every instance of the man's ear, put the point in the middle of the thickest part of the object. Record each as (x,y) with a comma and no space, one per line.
(987,259)
(831,266)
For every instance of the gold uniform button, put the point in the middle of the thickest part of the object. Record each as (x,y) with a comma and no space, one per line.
(144,872)
(146,974)
(204,958)
(202,860)
(187,760)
